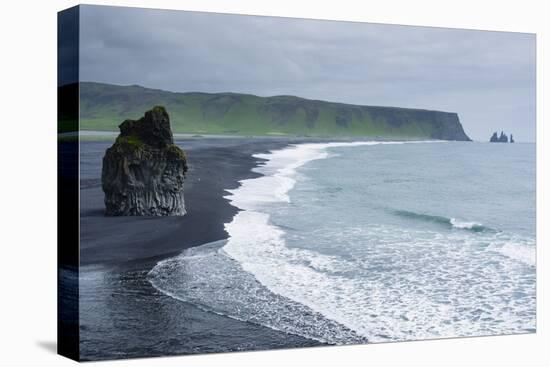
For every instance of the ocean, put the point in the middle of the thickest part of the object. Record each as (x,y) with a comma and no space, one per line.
(357,242)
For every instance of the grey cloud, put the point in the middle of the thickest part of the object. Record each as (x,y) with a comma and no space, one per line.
(487,77)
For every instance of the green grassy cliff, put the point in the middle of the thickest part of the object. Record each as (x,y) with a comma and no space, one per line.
(105,106)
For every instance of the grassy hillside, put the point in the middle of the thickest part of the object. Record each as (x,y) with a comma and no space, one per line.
(105,106)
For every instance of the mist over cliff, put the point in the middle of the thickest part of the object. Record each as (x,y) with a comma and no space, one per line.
(103,106)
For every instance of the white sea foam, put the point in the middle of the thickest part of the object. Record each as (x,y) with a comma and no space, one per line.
(366,306)
(206,277)
(279,171)
(517,250)
(465,225)
(406,284)
(398,303)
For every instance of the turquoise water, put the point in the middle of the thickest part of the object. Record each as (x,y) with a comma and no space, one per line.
(353,242)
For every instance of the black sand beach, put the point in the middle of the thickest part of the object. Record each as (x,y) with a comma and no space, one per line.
(121,314)
(214,166)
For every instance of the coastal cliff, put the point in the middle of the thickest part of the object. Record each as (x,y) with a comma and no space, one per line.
(143,172)
(246,114)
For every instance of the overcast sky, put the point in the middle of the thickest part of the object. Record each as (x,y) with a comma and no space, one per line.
(488,78)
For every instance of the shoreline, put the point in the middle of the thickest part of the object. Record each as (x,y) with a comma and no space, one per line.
(117,253)
(124,315)
(214,167)
(110,135)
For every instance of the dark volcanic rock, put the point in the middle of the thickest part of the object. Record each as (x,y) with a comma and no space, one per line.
(143,172)
(495,138)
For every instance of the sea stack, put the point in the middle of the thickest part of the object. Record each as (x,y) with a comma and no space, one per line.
(503,138)
(144,171)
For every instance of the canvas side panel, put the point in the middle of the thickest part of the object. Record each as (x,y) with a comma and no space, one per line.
(68,183)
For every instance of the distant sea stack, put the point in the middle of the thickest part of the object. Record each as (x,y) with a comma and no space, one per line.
(250,115)
(503,138)
(144,171)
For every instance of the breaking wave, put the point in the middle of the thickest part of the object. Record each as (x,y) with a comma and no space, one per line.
(448,222)
(400,284)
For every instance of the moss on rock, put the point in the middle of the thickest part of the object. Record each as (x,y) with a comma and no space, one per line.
(144,171)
